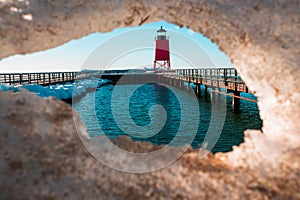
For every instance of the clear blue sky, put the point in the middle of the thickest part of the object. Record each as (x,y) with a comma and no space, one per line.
(131,47)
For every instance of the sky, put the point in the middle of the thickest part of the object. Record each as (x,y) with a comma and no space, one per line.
(123,48)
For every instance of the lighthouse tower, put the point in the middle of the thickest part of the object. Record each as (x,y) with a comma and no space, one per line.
(162,53)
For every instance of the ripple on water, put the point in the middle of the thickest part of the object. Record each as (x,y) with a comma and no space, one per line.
(99,104)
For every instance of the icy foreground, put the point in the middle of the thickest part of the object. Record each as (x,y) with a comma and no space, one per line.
(42,158)
(266,52)
(60,91)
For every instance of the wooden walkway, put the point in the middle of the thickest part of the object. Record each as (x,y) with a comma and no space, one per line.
(225,81)
(220,80)
(225,78)
(37,78)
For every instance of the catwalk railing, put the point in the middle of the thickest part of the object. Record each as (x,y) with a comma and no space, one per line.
(227,78)
(221,80)
(225,81)
(43,78)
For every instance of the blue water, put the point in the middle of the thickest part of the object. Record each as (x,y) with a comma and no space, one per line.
(98,104)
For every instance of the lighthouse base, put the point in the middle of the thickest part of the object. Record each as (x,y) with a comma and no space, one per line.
(162,65)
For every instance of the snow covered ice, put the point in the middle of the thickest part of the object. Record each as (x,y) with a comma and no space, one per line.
(60,91)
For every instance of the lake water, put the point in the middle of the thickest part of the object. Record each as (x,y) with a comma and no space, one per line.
(105,112)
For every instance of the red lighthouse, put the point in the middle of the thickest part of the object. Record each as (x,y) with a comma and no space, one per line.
(162,53)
